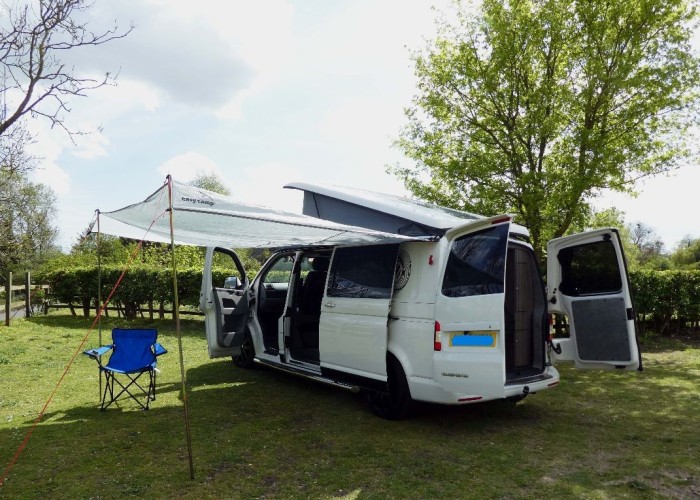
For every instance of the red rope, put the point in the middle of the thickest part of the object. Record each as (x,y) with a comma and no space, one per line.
(75,355)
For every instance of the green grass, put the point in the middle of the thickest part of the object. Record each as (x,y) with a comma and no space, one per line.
(259,433)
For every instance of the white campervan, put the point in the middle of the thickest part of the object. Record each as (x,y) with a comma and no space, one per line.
(457,313)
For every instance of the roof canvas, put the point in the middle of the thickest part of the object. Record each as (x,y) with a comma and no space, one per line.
(379,211)
(205,218)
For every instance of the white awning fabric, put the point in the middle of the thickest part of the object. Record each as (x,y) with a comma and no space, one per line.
(205,218)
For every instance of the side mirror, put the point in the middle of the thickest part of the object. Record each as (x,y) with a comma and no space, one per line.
(232,282)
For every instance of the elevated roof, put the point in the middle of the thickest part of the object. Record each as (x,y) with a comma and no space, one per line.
(378,211)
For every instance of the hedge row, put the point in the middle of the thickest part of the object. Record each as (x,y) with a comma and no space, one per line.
(667,299)
(142,285)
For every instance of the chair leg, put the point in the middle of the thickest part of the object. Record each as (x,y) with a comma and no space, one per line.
(109,388)
(152,388)
(125,389)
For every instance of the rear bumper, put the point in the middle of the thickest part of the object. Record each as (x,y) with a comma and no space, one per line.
(548,379)
(428,390)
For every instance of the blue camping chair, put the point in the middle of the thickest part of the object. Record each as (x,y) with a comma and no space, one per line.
(134,353)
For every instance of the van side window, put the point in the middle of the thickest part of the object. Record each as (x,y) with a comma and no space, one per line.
(363,272)
(476,265)
(589,269)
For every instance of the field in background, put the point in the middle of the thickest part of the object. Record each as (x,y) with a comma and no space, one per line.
(259,433)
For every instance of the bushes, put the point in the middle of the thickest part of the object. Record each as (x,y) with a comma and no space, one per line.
(141,285)
(666,300)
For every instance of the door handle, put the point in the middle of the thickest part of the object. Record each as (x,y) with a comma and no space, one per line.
(329,304)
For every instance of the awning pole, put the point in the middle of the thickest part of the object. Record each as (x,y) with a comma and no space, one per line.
(176,316)
(99,293)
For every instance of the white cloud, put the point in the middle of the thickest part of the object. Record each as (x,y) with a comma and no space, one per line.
(91,145)
(185,167)
(263,185)
(52,175)
(173,48)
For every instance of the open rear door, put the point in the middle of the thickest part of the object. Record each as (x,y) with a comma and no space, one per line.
(587,281)
(224,301)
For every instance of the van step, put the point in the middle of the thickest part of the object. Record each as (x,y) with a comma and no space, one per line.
(299,369)
(528,380)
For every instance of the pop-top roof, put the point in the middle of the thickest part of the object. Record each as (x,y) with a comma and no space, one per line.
(382,212)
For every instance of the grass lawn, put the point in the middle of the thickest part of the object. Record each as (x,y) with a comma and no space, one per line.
(259,433)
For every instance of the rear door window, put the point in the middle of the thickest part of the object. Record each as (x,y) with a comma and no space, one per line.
(589,269)
(363,272)
(476,264)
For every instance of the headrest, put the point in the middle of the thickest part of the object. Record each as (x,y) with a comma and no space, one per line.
(320,264)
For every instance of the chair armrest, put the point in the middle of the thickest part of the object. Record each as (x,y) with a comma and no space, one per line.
(96,352)
(159,349)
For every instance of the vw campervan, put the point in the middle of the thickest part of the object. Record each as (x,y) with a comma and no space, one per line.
(456,314)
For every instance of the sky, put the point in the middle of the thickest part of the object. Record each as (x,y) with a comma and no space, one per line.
(261,94)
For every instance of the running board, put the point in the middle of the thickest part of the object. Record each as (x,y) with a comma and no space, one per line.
(308,374)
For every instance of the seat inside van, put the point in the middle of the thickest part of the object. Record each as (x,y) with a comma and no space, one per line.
(311,280)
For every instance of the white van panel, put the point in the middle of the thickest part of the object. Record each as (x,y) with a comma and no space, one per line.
(351,331)
(411,341)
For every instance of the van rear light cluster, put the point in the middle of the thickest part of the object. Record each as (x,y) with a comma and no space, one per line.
(437,340)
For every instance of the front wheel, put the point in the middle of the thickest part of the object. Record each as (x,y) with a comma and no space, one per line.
(395,404)
(245,358)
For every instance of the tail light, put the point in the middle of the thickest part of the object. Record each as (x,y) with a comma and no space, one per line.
(437,340)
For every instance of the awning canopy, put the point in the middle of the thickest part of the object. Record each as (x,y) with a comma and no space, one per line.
(205,218)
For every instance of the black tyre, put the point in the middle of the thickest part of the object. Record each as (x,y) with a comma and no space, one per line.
(245,358)
(397,403)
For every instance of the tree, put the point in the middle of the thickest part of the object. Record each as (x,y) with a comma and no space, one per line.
(33,36)
(14,157)
(649,245)
(532,107)
(210,182)
(687,254)
(27,225)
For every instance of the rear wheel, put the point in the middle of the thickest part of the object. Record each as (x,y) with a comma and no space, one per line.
(395,404)
(245,358)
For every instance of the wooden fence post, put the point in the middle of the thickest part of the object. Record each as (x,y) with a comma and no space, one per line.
(27,295)
(8,298)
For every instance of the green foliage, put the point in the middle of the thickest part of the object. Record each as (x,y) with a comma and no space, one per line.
(667,299)
(27,230)
(210,182)
(73,278)
(139,285)
(532,108)
(687,255)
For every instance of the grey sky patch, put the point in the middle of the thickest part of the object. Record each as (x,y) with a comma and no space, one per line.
(184,58)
